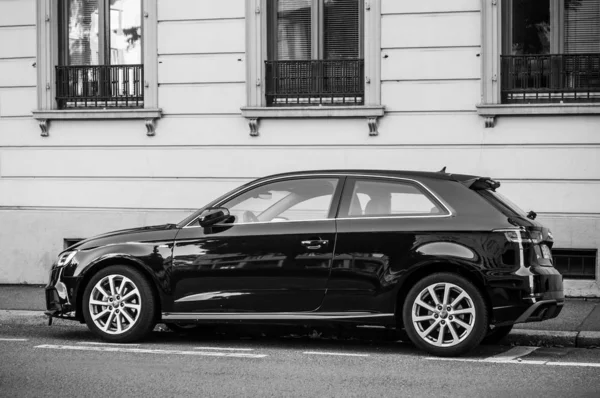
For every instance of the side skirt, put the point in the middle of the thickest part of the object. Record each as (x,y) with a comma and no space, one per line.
(366,317)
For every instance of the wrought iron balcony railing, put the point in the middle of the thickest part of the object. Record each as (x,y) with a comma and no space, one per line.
(100,86)
(315,82)
(550,78)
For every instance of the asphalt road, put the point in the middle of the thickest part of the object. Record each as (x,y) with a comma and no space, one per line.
(67,360)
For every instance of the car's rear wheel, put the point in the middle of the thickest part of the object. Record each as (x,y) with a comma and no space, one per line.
(119,305)
(445,314)
(495,335)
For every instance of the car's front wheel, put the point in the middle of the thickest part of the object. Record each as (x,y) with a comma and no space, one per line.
(118,304)
(445,314)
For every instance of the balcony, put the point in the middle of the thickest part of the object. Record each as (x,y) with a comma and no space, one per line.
(315,83)
(550,78)
(100,86)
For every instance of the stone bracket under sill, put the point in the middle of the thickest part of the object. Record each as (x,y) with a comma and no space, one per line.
(371,113)
(491,111)
(149,115)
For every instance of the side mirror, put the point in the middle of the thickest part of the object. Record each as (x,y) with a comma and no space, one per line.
(213,216)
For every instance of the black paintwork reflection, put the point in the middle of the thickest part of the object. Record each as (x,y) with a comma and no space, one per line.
(263,266)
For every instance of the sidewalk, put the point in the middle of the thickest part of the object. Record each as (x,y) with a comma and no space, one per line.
(578,325)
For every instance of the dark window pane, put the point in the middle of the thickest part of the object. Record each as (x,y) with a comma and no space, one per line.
(582,26)
(341,27)
(294,29)
(82,32)
(531,27)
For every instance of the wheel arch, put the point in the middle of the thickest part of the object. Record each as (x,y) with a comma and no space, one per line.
(467,271)
(107,262)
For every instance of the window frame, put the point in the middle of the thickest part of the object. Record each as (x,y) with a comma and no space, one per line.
(349,186)
(48,56)
(257,44)
(492,48)
(333,207)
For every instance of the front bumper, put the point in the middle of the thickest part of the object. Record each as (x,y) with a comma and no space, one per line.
(58,291)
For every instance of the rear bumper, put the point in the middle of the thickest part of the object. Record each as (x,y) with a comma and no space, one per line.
(536,295)
(541,311)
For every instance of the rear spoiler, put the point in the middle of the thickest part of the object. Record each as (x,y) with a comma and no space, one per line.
(482,183)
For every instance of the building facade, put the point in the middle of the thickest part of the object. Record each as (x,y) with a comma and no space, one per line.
(121,113)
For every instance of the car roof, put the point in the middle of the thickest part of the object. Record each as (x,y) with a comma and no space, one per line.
(439,175)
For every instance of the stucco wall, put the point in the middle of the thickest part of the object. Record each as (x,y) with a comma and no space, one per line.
(89,177)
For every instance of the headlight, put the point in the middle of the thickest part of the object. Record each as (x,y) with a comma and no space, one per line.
(65,258)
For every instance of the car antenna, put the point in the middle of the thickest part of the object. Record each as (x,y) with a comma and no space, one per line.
(442,170)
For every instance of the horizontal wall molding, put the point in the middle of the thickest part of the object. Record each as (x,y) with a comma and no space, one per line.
(419,128)
(561,164)
(181,194)
(201,36)
(200,10)
(424,30)
(429,6)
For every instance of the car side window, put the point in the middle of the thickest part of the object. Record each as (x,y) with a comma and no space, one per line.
(375,198)
(289,200)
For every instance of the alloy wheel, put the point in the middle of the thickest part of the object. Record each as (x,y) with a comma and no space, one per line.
(115,304)
(443,314)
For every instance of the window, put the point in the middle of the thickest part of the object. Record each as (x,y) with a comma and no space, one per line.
(315,53)
(100,54)
(292,200)
(313,58)
(97,59)
(551,51)
(382,198)
(576,263)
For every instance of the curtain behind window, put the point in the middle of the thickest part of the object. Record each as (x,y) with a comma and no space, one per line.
(341,25)
(582,26)
(294,29)
(82,32)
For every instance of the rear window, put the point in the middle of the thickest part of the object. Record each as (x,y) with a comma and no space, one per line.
(502,203)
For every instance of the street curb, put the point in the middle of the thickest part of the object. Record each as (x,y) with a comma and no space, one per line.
(542,337)
(583,339)
(588,339)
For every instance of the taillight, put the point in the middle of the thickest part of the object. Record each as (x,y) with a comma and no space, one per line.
(518,236)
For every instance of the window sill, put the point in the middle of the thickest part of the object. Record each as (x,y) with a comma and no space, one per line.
(491,111)
(149,115)
(253,114)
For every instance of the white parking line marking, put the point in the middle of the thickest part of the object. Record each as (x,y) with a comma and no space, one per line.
(343,354)
(223,349)
(590,364)
(518,362)
(511,355)
(108,344)
(148,351)
(2,339)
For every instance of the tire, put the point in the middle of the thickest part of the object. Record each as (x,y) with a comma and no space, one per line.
(467,317)
(183,328)
(495,335)
(119,305)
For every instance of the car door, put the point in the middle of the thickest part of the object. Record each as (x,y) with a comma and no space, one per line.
(272,255)
(379,222)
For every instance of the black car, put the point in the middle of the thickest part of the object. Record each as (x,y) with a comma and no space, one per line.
(443,256)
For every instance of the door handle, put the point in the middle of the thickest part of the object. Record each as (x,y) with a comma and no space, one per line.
(314,244)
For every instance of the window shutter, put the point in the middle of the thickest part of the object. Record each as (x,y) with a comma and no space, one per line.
(582,26)
(82,32)
(341,25)
(294,29)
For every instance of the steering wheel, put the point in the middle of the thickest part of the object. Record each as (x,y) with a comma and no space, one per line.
(248,216)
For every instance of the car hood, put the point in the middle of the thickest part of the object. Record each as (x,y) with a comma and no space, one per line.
(142,234)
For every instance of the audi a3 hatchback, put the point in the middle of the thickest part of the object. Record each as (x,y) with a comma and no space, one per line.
(444,256)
